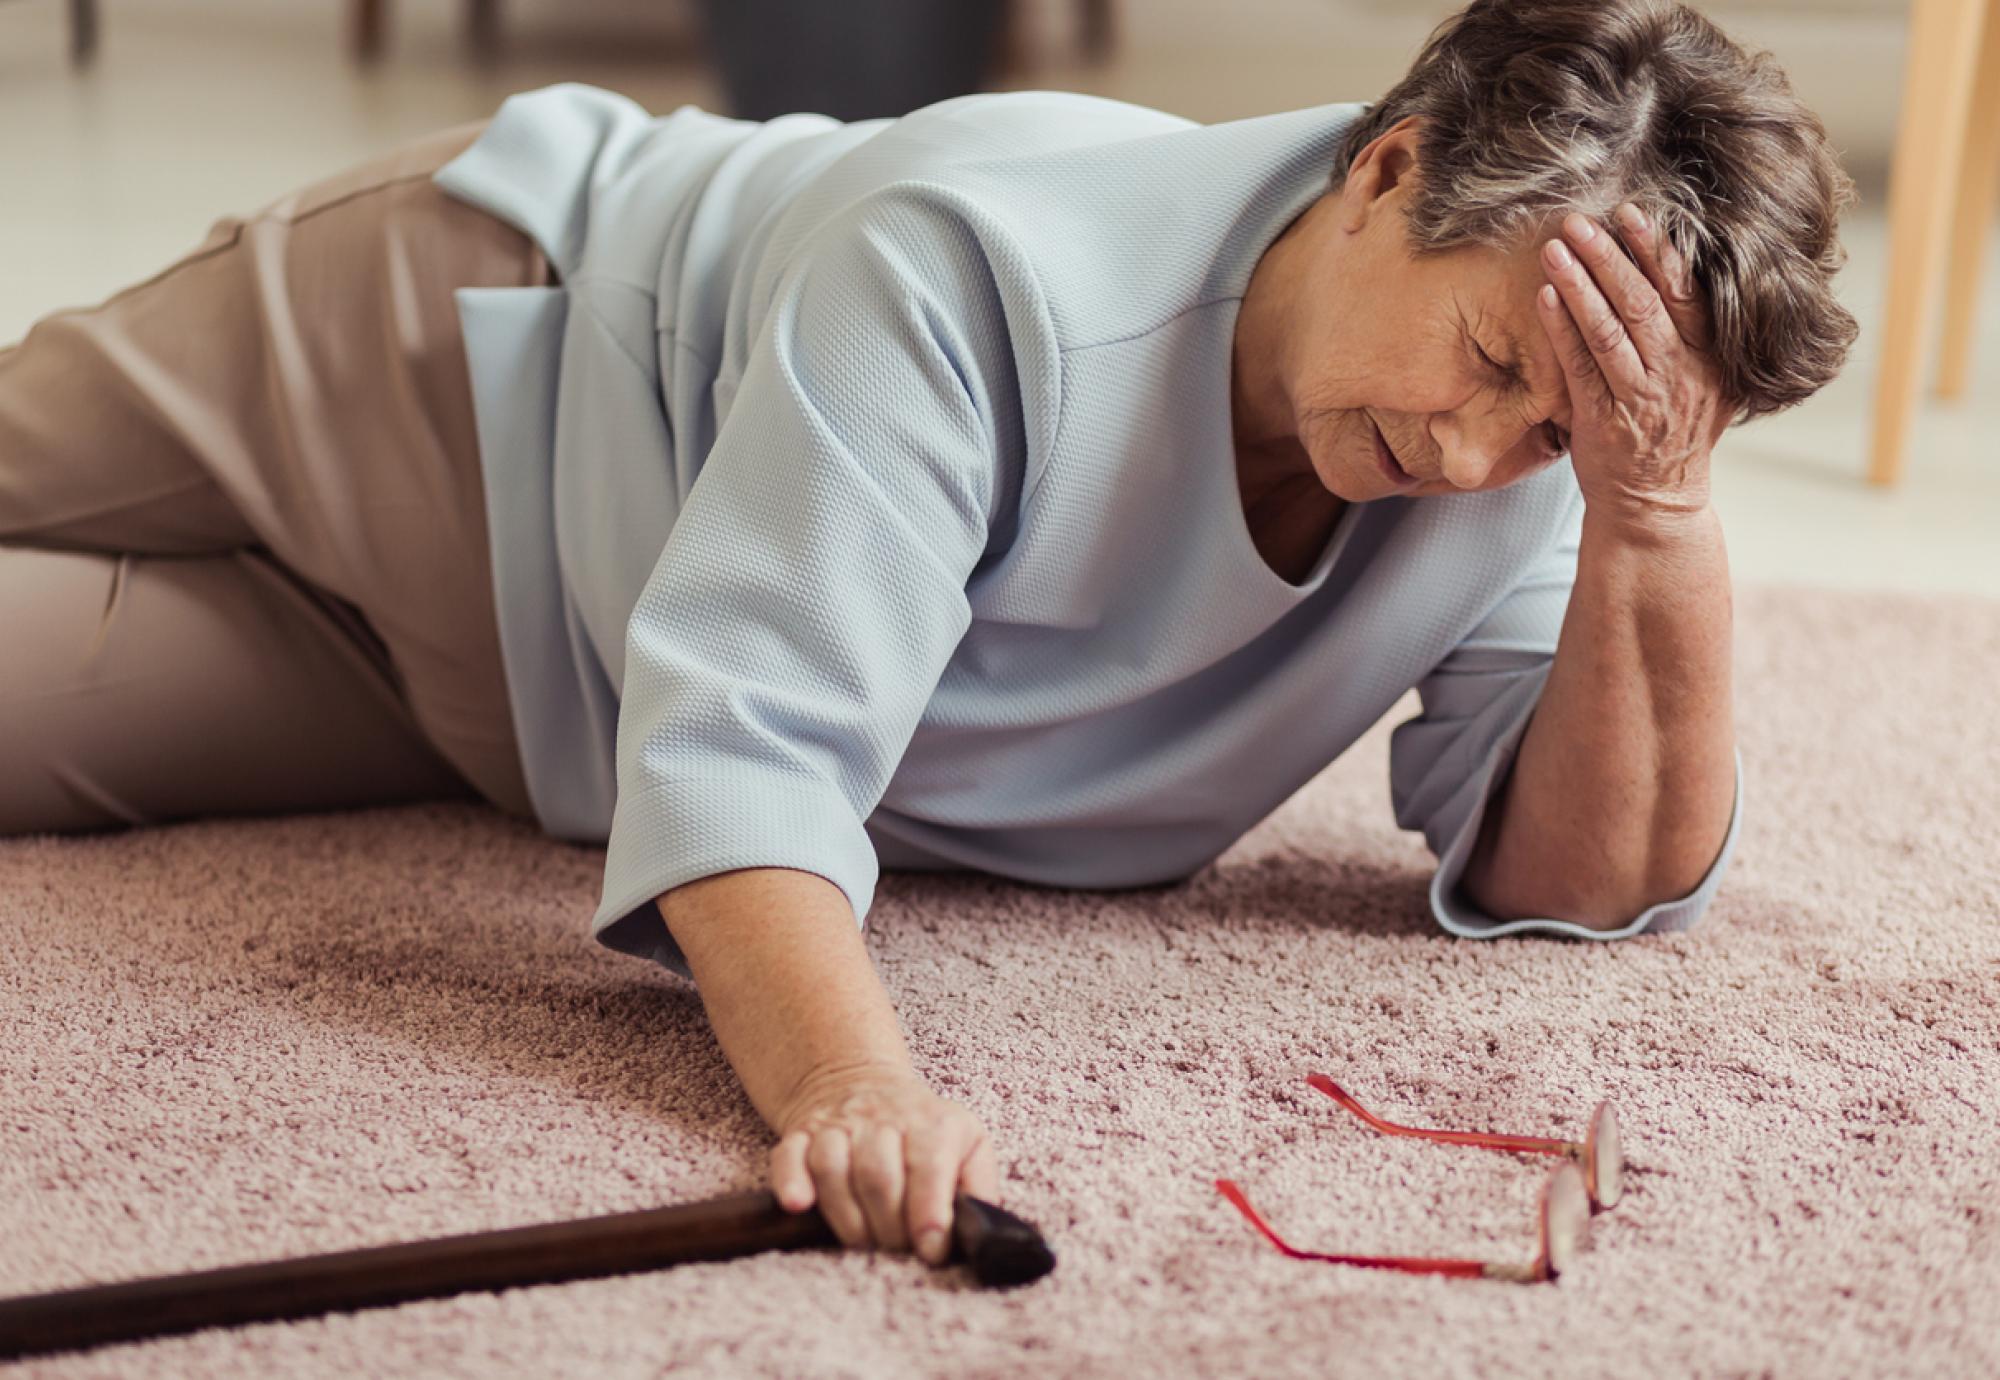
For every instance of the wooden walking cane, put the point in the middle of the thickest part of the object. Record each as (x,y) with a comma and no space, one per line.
(1001,1248)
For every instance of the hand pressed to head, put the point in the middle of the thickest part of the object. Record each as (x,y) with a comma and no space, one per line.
(1631,334)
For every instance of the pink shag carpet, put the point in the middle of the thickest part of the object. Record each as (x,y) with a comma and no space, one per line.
(234,1039)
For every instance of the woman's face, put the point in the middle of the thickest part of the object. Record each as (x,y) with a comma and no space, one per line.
(1444,354)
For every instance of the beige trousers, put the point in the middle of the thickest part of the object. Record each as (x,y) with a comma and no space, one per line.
(243,551)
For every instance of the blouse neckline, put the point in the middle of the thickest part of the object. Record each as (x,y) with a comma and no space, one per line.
(1273,592)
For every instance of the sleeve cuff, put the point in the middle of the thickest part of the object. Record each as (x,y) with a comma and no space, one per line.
(1462,919)
(681,830)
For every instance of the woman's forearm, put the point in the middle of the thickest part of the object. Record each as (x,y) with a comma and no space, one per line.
(788,986)
(1620,796)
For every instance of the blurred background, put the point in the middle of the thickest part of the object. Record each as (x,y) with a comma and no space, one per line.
(128,126)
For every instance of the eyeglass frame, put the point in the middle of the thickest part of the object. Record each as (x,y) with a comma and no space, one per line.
(1590,1180)
(1600,1154)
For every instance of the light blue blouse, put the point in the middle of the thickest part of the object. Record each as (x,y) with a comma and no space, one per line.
(864,497)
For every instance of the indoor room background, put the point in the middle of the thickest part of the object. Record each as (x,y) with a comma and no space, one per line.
(191,107)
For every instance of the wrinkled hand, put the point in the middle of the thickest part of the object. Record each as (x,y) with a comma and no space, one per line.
(883,1156)
(1633,336)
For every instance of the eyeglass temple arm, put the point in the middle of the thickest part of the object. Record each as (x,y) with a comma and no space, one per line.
(1534,1144)
(1416,1265)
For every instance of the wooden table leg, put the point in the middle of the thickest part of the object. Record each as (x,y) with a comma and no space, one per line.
(82,31)
(1930,141)
(1098,32)
(365,22)
(1978,184)
(482,28)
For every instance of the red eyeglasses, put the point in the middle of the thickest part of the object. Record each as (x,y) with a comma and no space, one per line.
(1591,1178)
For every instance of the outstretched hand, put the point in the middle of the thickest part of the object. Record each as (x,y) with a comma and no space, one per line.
(883,1156)
(1633,336)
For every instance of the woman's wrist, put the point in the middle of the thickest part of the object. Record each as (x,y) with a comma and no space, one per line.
(787,983)
(830,1081)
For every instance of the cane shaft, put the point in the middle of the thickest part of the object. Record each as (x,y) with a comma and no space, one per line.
(716,1229)
(1002,1249)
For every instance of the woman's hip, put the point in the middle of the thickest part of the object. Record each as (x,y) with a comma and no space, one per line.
(298,382)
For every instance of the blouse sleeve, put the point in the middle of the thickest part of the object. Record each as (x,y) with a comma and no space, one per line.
(1446,765)
(812,588)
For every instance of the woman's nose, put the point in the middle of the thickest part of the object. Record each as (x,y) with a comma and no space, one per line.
(1471,453)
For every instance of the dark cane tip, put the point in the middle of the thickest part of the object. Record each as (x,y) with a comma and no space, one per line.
(1002,1249)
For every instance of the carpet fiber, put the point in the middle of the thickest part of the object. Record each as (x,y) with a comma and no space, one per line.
(234,1039)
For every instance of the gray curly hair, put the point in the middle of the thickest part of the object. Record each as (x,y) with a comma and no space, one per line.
(1532,108)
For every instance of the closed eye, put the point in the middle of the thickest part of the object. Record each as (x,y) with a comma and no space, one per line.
(1508,376)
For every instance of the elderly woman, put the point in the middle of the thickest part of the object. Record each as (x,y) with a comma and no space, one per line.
(1035,484)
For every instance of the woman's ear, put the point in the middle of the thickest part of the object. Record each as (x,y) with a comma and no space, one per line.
(1389,160)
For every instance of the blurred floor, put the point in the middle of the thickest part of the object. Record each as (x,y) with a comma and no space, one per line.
(111,174)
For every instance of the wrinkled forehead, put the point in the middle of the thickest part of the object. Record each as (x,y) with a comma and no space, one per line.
(1500,284)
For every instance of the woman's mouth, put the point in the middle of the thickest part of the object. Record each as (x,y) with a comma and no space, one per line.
(1398,476)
